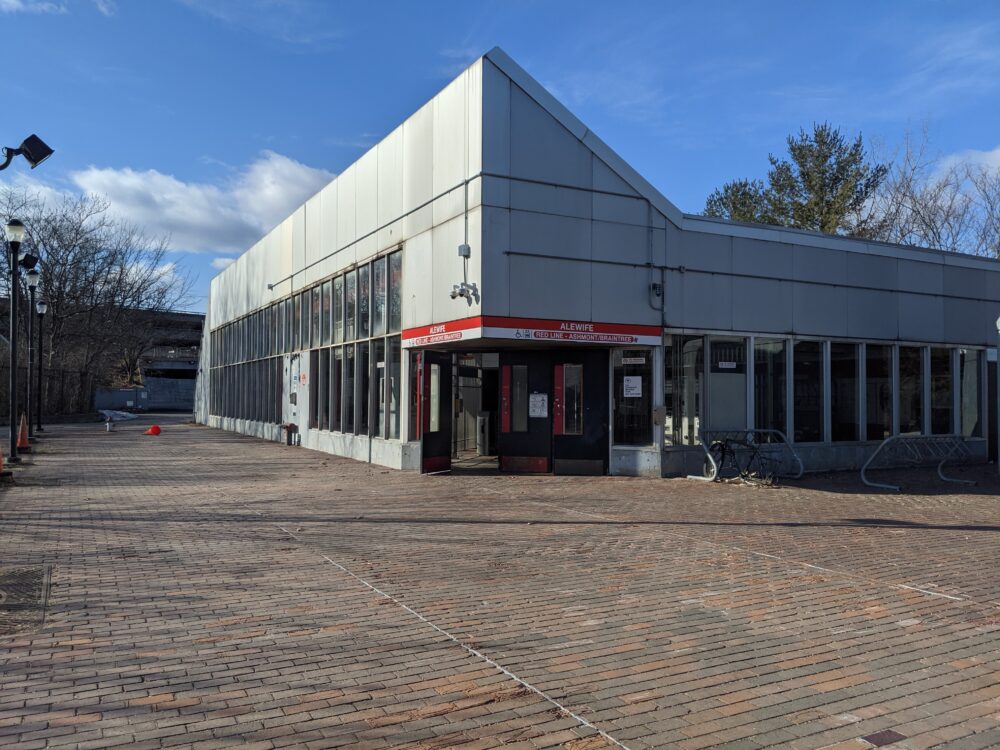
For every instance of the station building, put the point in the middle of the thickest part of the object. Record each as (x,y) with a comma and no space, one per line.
(492,269)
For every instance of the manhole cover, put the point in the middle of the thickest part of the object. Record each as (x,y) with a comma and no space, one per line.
(24,593)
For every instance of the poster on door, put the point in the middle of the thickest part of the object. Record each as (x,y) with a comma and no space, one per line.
(632,386)
(538,405)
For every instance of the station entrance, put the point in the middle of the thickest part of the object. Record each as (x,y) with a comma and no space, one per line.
(513,410)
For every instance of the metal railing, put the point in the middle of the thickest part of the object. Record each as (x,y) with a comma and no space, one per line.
(902,451)
(768,443)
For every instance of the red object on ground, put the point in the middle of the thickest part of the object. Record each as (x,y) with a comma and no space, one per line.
(154,430)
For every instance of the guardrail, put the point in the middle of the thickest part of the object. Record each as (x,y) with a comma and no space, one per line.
(918,450)
(756,440)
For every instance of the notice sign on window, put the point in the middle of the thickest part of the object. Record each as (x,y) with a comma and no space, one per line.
(538,405)
(632,387)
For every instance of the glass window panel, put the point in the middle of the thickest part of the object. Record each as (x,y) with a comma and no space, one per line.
(351,306)
(843,391)
(336,377)
(324,386)
(364,302)
(378,297)
(313,361)
(969,382)
(415,389)
(316,315)
(878,391)
(942,393)
(572,399)
(808,384)
(632,401)
(519,398)
(769,376)
(296,321)
(727,383)
(348,390)
(325,313)
(911,390)
(395,291)
(378,387)
(395,370)
(364,380)
(684,366)
(338,310)
(434,402)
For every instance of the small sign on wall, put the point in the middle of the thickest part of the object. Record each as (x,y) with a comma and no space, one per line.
(304,378)
(538,405)
(632,386)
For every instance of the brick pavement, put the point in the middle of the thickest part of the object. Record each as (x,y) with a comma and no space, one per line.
(210,590)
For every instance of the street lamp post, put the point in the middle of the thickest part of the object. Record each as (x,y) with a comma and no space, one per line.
(998,397)
(32,279)
(15,235)
(40,308)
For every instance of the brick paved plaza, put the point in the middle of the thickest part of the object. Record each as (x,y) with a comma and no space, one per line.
(211,590)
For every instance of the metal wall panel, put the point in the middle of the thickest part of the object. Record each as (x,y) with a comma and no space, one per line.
(623,243)
(346,217)
(542,149)
(450,117)
(496,121)
(705,252)
(418,158)
(549,199)
(763,305)
(390,177)
(549,288)
(366,193)
(818,264)
(921,317)
(819,310)
(620,294)
(872,314)
(495,266)
(547,234)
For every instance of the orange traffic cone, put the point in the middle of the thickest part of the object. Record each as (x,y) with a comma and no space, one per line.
(154,430)
(22,436)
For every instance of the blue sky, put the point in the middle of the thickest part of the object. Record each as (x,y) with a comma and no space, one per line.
(211,119)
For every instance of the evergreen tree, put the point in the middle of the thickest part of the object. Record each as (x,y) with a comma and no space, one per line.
(823,186)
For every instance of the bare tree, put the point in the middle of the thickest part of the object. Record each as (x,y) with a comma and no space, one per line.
(924,201)
(101,277)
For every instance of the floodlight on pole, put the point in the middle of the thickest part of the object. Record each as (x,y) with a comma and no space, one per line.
(32,148)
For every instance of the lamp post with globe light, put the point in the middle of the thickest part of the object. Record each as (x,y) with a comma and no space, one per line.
(15,235)
(41,308)
(31,277)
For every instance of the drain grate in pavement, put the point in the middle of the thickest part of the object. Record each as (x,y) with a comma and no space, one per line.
(24,594)
(885,737)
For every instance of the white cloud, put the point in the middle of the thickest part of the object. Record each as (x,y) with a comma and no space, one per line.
(202,216)
(222,263)
(30,6)
(106,7)
(973,157)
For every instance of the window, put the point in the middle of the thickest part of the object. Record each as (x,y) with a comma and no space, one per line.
(942,393)
(364,381)
(315,316)
(519,398)
(325,312)
(378,297)
(572,400)
(313,389)
(727,383)
(289,324)
(393,372)
(364,302)
(395,292)
(338,310)
(807,366)
(349,388)
(378,387)
(968,379)
(769,379)
(434,402)
(844,391)
(684,366)
(324,385)
(878,391)
(351,306)
(911,390)
(336,379)
(632,397)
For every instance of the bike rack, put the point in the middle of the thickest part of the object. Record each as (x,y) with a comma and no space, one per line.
(747,436)
(918,450)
